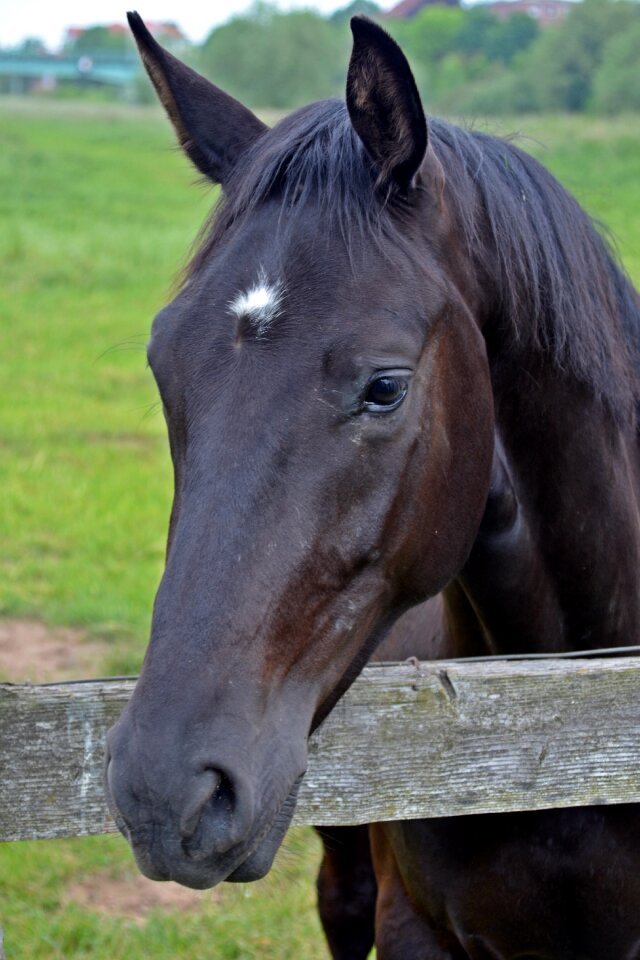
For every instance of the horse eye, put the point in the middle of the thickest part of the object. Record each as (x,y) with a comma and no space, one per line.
(385,393)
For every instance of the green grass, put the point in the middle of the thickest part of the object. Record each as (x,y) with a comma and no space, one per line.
(274,918)
(599,162)
(97,211)
(97,214)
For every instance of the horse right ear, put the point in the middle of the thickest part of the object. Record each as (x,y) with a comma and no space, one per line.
(213,129)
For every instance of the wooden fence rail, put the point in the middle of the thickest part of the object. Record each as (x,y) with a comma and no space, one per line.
(406,741)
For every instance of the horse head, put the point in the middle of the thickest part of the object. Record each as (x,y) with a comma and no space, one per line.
(329,408)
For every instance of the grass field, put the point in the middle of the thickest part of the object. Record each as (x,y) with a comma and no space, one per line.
(97,212)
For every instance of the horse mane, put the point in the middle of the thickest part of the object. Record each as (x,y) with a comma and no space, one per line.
(562,294)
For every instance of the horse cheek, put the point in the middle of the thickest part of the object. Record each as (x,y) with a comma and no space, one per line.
(454,460)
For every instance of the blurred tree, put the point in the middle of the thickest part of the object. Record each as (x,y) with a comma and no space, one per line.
(431,34)
(466,60)
(558,70)
(616,84)
(510,36)
(32,47)
(561,68)
(505,92)
(451,48)
(273,59)
(102,39)
(477,30)
(564,61)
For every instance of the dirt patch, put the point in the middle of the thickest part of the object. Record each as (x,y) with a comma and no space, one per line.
(133,897)
(29,650)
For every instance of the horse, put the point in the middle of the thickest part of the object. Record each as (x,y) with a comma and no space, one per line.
(403,368)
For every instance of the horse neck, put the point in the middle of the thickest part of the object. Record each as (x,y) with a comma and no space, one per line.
(556,564)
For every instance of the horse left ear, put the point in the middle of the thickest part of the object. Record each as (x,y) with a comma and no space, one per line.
(384,104)
(212,127)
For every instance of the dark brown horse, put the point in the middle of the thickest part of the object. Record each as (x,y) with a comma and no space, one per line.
(402,363)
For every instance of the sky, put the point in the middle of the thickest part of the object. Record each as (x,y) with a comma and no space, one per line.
(47,19)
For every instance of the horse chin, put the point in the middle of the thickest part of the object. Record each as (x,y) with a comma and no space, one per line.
(158,864)
(259,862)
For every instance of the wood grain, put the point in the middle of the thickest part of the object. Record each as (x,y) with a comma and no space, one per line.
(406,741)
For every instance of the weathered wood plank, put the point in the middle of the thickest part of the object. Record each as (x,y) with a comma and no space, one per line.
(405,742)
(51,756)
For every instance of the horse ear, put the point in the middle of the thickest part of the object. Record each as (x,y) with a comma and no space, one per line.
(212,127)
(384,104)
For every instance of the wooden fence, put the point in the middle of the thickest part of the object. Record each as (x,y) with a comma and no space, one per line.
(406,741)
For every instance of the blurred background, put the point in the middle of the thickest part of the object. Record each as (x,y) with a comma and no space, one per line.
(490,57)
(97,214)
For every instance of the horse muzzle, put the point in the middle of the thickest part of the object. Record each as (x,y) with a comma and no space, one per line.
(199,828)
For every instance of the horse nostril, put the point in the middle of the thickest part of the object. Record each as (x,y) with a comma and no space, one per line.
(218,815)
(207,787)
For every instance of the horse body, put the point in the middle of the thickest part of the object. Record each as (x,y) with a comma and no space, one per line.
(549,884)
(546,884)
(400,368)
